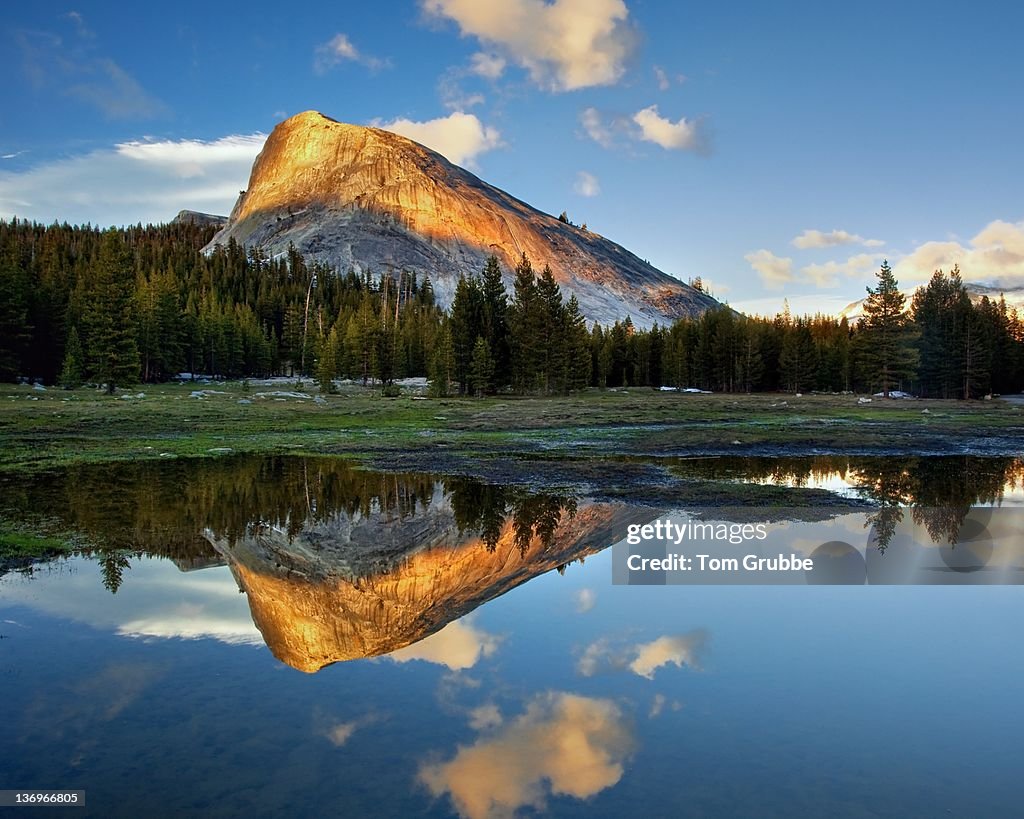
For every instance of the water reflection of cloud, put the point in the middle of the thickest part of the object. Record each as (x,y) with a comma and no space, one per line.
(484,717)
(644,659)
(155,601)
(584,600)
(564,744)
(458,645)
(679,650)
(341,733)
(74,711)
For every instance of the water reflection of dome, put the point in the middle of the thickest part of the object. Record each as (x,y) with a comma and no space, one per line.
(314,610)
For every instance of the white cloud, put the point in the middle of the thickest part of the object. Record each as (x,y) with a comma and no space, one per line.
(490,66)
(457,646)
(664,83)
(817,239)
(586,184)
(643,658)
(340,49)
(155,601)
(683,134)
(564,45)
(828,274)
(596,129)
(461,137)
(994,256)
(775,271)
(678,650)
(133,182)
(564,743)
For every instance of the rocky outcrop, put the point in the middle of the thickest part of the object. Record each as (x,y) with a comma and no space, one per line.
(367,199)
(194,217)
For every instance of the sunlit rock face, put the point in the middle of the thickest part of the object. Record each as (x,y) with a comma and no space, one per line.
(366,199)
(317,598)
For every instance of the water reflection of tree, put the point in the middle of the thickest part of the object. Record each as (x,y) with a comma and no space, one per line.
(939,491)
(485,508)
(118,511)
(162,508)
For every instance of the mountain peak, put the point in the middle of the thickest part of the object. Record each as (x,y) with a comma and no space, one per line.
(363,198)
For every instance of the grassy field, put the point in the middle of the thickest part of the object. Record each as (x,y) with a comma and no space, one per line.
(40,429)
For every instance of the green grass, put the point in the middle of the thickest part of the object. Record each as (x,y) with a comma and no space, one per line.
(45,429)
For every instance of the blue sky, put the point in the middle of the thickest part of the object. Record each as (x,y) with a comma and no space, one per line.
(777,150)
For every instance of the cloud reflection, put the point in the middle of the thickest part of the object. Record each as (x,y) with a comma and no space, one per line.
(458,645)
(644,659)
(158,602)
(564,744)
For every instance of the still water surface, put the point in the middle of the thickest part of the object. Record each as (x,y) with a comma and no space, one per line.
(296,637)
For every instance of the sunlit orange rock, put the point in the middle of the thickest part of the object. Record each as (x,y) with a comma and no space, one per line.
(312,611)
(367,199)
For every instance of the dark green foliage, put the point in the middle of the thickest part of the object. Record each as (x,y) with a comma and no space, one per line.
(108,316)
(885,352)
(15,330)
(145,303)
(481,367)
(72,373)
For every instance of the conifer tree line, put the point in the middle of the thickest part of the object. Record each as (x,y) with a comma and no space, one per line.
(141,304)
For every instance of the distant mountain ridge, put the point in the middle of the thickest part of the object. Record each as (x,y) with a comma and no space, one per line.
(367,199)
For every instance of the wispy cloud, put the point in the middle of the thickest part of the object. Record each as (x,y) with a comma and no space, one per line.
(829,274)
(75,67)
(340,49)
(665,80)
(818,239)
(595,127)
(564,45)
(586,184)
(489,66)
(147,181)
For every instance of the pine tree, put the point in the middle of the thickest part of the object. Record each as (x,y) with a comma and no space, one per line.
(15,332)
(442,363)
(482,368)
(72,372)
(466,327)
(886,353)
(494,320)
(577,346)
(327,361)
(553,359)
(108,321)
(524,325)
